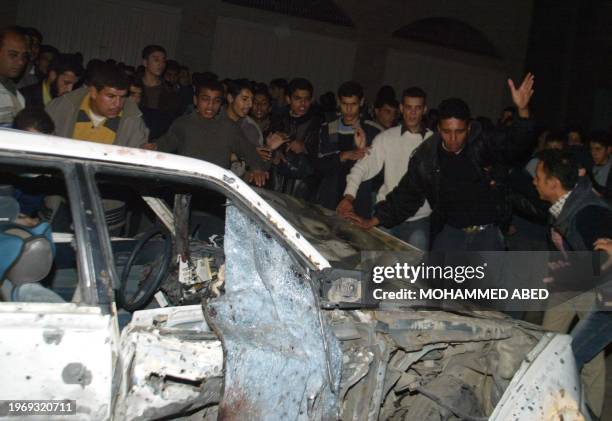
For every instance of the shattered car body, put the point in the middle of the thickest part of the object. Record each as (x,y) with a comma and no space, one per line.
(289,335)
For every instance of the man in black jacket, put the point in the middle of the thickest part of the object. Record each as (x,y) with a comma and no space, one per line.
(460,172)
(578,217)
(293,171)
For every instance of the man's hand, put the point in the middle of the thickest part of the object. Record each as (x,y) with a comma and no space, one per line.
(150,146)
(297,146)
(264,153)
(605,244)
(363,223)
(360,138)
(276,140)
(345,206)
(522,95)
(258,177)
(354,155)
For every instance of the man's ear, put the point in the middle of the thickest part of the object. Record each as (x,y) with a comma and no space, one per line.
(287,99)
(144,62)
(424,109)
(93,92)
(52,76)
(361,102)
(229,98)
(195,101)
(401,108)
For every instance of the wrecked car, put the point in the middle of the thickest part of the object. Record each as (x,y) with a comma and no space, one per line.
(178,291)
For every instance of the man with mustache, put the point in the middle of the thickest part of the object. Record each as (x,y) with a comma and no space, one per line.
(100,113)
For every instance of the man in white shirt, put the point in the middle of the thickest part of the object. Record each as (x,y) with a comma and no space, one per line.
(13,58)
(392,149)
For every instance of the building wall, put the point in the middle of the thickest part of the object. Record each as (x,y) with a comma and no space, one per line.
(8,12)
(372,49)
(117,29)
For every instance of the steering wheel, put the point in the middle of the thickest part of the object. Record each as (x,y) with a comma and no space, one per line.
(148,272)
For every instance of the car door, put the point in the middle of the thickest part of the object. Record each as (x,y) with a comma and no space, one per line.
(59,344)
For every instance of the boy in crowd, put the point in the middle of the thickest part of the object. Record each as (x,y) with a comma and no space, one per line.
(343,142)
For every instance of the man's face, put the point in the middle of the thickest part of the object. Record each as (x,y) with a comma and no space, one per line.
(171,76)
(184,78)
(386,115)
(545,185)
(600,153)
(13,56)
(107,102)
(155,63)
(299,102)
(43,62)
(412,110)
(34,48)
(62,84)
(242,103)
(349,108)
(261,107)
(135,94)
(275,92)
(573,138)
(454,133)
(208,103)
(554,144)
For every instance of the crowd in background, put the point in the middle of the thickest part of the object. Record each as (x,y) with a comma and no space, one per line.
(436,177)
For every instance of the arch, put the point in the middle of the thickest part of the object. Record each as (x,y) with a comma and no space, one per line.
(448,32)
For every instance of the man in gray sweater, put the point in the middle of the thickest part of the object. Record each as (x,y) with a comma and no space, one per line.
(204,135)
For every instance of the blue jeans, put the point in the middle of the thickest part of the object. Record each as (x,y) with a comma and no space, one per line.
(591,335)
(452,239)
(415,233)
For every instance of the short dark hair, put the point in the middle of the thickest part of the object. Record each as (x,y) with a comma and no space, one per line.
(198,78)
(44,49)
(386,100)
(299,83)
(11,30)
(414,92)
(66,63)
(454,108)
(33,33)
(173,65)
(279,83)
(556,136)
(210,84)
(234,87)
(136,81)
(262,89)
(34,118)
(92,66)
(150,49)
(386,92)
(561,165)
(109,75)
(350,88)
(601,137)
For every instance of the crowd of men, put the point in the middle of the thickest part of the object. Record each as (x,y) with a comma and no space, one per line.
(439,179)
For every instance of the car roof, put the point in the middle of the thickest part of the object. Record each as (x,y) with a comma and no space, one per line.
(15,141)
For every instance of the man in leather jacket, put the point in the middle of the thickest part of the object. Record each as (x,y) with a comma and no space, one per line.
(457,172)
